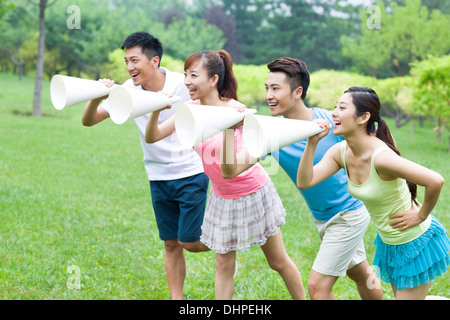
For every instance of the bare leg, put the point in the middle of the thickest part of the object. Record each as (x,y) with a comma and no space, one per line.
(416,293)
(320,286)
(224,285)
(279,261)
(196,246)
(175,266)
(369,286)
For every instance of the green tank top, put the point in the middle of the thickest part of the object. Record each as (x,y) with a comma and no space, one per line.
(384,198)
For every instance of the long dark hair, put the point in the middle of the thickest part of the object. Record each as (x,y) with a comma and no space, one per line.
(366,100)
(217,63)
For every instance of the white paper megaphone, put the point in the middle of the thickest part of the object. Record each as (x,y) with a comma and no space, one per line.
(196,123)
(128,103)
(264,134)
(67,91)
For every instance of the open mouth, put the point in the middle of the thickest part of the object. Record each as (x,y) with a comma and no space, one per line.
(192,91)
(272,105)
(135,75)
(337,123)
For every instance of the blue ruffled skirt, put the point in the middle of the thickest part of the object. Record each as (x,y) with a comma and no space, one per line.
(416,262)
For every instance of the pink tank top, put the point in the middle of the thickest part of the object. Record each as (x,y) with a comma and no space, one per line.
(246,183)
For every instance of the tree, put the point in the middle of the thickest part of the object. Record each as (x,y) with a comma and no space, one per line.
(215,15)
(251,79)
(17,27)
(407,34)
(5,7)
(308,30)
(328,85)
(432,90)
(183,37)
(249,16)
(84,49)
(305,29)
(40,59)
(396,95)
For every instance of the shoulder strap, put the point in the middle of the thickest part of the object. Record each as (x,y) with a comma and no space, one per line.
(343,147)
(379,150)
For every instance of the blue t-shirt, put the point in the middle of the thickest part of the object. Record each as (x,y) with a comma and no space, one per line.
(329,197)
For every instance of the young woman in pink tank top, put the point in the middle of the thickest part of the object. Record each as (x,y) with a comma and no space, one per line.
(241,212)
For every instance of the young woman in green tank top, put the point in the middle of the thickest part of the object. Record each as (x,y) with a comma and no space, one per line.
(412,246)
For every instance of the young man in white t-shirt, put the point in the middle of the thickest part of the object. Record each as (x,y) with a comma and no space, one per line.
(177,183)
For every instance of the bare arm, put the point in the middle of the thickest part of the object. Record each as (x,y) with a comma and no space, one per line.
(393,166)
(93,113)
(234,164)
(309,175)
(154,131)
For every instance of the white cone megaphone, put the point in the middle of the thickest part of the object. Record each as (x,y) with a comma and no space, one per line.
(67,91)
(128,103)
(196,123)
(264,134)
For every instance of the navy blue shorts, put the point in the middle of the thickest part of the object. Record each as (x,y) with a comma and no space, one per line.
(179,207)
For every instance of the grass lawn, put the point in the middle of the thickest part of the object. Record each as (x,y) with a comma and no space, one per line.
(77,196)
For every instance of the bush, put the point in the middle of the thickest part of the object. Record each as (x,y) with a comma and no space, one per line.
(328,85)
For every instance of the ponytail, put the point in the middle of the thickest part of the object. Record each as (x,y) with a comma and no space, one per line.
(384,135)
(366,100)
(227,84)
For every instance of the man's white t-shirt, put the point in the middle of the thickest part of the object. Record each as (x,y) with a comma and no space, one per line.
(166,159)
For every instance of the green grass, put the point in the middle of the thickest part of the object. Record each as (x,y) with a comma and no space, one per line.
(71,195)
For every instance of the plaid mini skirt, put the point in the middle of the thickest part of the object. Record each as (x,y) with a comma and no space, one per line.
(242,223)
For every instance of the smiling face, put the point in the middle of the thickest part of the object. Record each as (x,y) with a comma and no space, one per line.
(344,115)
(279,95)
(140,68)
(198,83)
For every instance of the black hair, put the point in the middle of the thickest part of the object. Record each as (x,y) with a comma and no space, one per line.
(150,45)
(296,71)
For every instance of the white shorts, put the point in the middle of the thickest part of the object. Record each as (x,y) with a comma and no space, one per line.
(342,245)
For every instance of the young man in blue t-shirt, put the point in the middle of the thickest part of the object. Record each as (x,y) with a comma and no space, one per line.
(341,219)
